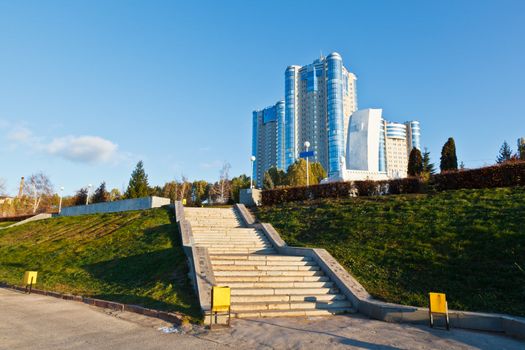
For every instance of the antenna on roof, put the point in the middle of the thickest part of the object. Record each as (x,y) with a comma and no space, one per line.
(321,51)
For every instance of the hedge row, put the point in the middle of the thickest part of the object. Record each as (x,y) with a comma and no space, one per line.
(505,175)
(342,190)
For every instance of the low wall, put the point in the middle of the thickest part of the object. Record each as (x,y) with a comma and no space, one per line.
(364,303)
(199,263)
(117,206)
(29,219)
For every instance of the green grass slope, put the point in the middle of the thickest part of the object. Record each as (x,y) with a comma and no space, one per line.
(469,244)
(131,257)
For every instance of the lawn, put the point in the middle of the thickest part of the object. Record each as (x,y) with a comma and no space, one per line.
(6,223)
(469,244)
(131,257)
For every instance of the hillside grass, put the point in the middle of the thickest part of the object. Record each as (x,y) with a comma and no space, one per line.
(469,244)
(132,257)
(6,223)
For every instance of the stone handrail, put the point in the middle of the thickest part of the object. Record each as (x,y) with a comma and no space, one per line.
(363,302)
(199,263)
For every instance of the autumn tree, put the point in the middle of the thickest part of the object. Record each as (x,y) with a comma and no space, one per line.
(39,190)
(268,181)
(237,184)
(220,192)
(199,191)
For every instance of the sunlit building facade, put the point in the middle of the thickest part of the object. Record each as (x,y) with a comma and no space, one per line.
(319,98)
(267,140)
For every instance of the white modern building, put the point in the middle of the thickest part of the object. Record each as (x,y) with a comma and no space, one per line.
(320,107)
(378,149)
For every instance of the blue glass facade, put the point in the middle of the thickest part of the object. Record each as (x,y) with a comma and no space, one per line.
(334,94)
(279,111)
(416,134)
(254,144)
(289,116)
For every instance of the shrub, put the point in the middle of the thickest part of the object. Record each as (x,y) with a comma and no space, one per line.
(341,190)
(504,175)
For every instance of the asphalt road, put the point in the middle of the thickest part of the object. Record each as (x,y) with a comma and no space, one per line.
(40,322)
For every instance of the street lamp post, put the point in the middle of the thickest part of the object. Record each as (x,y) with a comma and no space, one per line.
(60,201)
(307,145)
(87,196)
(252,158)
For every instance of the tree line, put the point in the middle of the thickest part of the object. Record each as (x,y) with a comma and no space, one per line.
(420,165)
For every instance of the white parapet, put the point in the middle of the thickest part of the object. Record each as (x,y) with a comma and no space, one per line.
(117,206)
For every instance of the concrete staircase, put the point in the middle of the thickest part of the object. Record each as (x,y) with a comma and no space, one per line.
(263,283)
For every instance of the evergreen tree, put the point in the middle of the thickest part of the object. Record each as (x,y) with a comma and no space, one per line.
(449,160)
(80,197)
(521,149)
(505,153)
(278,176)
(138,184)
(268,182)
(415,163)
(101,194)
(428,167)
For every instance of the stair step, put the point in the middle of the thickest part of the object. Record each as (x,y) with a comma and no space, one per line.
(240,307)
(283,291)
(264,268)
(262,263)
(268,273)
(224,280)
(260,257)
(241,250)
(291,313)
(285,298)
(279,284)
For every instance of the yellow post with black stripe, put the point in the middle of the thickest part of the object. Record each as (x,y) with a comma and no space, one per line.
(220,303)
(29,280)
(439,306)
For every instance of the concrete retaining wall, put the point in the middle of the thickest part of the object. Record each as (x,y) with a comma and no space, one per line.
(199,263)
(117,206)
(32,218)
(389,312)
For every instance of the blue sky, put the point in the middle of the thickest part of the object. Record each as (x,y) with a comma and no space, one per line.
(87,88)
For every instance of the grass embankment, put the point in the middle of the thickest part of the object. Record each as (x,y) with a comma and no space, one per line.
(132,257)
(6,223)
(469,244)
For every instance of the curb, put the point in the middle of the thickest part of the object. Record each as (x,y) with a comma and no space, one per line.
(174,318)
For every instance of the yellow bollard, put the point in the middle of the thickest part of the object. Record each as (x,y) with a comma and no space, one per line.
(30,279)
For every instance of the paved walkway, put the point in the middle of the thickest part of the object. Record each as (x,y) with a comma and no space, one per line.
(35,321)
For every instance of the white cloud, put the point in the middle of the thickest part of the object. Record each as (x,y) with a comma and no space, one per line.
(83,149)
(20,134)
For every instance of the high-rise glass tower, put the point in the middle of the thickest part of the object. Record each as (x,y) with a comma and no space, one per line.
(319,99)
(267,140)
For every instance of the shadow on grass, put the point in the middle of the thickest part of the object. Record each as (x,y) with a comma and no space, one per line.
(155,279)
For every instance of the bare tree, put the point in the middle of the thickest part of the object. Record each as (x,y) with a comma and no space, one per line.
(221,189)
(2,186)
(39,188)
